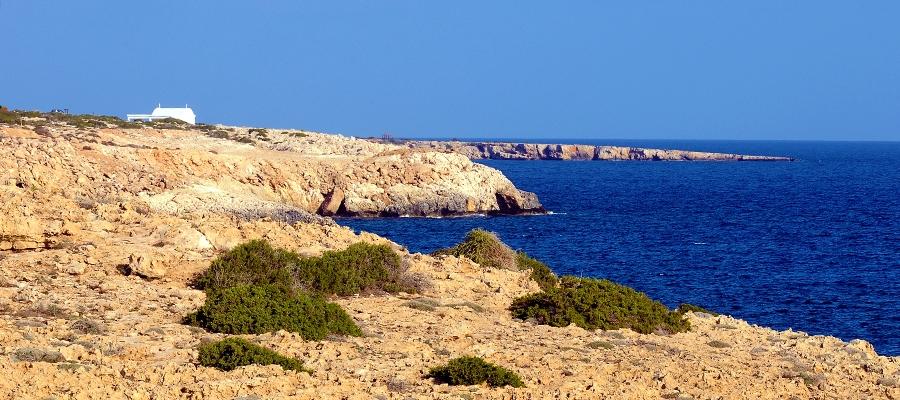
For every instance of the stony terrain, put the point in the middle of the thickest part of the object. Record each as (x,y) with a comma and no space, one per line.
(532,151)
(101,232)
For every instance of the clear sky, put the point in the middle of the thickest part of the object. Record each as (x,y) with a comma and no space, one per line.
(554,69)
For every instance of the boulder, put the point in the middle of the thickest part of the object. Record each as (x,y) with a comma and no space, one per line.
(147,265)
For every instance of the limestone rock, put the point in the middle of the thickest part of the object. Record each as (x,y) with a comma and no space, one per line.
(531,151)
(147,265)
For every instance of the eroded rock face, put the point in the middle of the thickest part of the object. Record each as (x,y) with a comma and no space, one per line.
(288,178)
(415,183)
(533,151)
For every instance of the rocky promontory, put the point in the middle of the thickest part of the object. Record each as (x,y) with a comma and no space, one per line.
(283,174)
(533,151)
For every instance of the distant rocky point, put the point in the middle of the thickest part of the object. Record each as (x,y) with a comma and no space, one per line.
(533,151)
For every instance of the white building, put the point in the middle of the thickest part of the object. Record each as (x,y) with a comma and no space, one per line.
(185,114)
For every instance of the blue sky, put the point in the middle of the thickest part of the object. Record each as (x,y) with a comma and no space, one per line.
(814,70)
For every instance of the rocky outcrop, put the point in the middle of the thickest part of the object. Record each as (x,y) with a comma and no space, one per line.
(531,151)
(287,178)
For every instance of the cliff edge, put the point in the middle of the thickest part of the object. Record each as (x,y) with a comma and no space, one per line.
(533,151)
(287,175)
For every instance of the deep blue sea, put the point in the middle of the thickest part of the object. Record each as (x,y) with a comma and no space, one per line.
(812,245)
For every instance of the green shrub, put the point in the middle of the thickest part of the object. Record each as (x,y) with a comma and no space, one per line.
(10,118)
(597,304)
(230,353)
(254,262)
(484,248)
(469,370)
(258,131)
(257,309)
(358,268)
(540,272)
(685,307)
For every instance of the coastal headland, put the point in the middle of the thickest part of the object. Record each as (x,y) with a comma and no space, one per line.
(535,151)
(103,229)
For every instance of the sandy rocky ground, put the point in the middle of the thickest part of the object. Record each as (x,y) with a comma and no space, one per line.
(101,231)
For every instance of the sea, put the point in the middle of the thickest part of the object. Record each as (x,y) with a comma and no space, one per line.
(811,245)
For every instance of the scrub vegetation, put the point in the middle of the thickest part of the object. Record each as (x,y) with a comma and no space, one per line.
(255,288)
(230,353)
(469,370)
(597,304)
(486,249)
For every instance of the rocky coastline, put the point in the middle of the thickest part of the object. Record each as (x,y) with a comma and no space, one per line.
(534,151)
(102,230)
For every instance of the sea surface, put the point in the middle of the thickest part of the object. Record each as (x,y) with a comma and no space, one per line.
(812,245)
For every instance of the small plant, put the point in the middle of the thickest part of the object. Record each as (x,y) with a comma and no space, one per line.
(597,304)
(469,370)
(417,305)
(601,344)
(685,307)
(37,355)
(86,326)
(475,307)
(258,131)
(257,309)
(48,311)
(718,344)
(230,353)
(71,366)
(298,134)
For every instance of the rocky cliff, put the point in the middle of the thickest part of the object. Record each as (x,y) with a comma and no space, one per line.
(531,151)
(285,176)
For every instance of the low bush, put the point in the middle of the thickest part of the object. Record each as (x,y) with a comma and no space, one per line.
(251,263)
(685,307)
(256,309)
(486,249)
(597,304)
(230,353)
(10,118)
(601,344)
(37,355)
(469,370)
(540,272)
(359,268)
(86,326)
